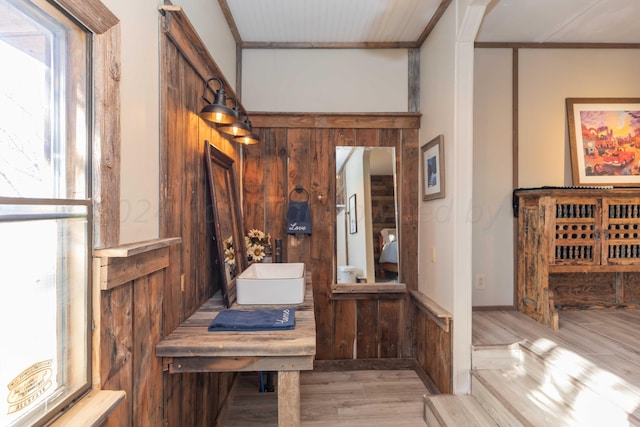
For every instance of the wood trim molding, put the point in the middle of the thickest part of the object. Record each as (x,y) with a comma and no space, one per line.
(137,248)
(369,291)
(515,148)
(428,306)
(433,22)
(93,14)
(107,136)
(239,72)
(516,45)
(113,267)
(329,45)
(335,120)
(426,379)
(494,308)
(414,80)
(363,364)
(228,16)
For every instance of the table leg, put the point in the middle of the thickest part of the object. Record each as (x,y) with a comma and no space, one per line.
(288,398)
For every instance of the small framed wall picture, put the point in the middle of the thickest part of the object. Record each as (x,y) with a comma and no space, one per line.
(433,169)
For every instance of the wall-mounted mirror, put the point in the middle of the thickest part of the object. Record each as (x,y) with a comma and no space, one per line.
(366,215)
(228,238)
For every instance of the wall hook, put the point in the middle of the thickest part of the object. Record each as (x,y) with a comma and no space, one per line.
(299,189)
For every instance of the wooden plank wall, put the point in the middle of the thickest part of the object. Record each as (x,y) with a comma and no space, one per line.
(129,321)
(185,211)
(189,399)
(434,350)
(299,149)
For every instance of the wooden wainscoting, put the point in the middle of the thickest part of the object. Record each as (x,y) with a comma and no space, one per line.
(299,149)
(129,284)
(131,299)
(368,325)
(433,344)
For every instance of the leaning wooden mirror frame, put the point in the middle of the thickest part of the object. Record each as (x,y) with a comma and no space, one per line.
(229,254)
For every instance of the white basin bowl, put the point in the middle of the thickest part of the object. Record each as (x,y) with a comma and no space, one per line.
(277,283)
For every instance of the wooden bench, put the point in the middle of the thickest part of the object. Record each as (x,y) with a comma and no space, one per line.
(192,348)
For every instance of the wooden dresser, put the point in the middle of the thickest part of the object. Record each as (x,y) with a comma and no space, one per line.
(578,248)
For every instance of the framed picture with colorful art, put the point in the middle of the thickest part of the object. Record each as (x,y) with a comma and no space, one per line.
(604,134)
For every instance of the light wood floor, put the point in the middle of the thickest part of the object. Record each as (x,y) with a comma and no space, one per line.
(607,339)
(340,399)
(588,332)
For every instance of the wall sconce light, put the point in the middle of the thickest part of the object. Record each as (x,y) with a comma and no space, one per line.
(240,128)
(249,139)
(218,112)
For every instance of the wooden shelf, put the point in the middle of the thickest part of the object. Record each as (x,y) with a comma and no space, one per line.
(116,266)
(433,309)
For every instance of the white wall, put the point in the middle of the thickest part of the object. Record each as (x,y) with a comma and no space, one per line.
(492,178)
(139,108)
(354,173)
(325,80)
(445,225)
(436,223)
(546,78)
(437,220)
(341,243)
(207,18)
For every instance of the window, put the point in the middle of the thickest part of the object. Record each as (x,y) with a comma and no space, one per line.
(45,210)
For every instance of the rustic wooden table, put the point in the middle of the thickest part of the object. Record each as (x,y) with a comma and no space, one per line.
(192,348)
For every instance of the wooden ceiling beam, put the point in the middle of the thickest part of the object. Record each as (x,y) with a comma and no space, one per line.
(433,21)
(328,45)
(230,21)
(224,5)
(546,45)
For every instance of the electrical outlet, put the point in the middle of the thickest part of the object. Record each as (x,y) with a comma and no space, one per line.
(433,254)
(481,282)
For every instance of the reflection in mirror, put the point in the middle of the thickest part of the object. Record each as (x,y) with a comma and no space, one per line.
(366,215)
(229,241)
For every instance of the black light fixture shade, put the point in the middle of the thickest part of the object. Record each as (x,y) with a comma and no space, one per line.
(248,139)
(218,112)
(239,128)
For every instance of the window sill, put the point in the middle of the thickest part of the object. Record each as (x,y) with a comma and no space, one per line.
(91,410)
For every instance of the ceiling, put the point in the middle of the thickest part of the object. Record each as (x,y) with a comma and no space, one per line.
(407,23)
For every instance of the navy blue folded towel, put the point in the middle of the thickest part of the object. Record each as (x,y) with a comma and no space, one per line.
(255,320)
(298,218)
